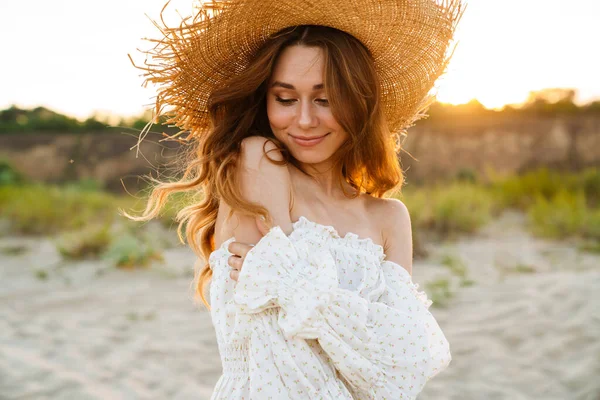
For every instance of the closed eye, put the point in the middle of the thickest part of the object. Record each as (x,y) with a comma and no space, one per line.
(284,101)
(324,102)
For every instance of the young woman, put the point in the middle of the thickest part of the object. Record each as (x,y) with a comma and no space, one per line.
(294,110)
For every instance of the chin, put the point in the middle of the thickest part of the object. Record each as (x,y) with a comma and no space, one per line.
(310,155)
(308,159)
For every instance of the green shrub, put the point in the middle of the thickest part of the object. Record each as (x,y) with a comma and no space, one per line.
(592,247)
(34,209)
(524,269)
(591,225)
(49,209)
(92,240)
(128,250)
(590,182)
(418,203)
(455,265)
(41,274)
(448,209)
(467,175)
(9,175)
(521,191)
(13,250)
(460,208)
(561,216)
(85,185)
(415,201)
(439,292)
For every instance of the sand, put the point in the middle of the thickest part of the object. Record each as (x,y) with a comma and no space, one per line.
(85,330)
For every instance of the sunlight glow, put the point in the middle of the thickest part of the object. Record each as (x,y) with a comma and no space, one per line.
(511,47)
(71,55)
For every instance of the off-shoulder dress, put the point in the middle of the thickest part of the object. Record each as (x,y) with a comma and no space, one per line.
(318,316)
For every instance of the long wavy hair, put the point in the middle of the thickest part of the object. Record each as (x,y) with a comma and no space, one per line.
(368,160)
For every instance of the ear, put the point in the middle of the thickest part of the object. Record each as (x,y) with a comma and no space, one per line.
(262,225)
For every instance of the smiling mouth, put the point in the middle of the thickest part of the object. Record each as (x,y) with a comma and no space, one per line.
(308,142)
(309,138)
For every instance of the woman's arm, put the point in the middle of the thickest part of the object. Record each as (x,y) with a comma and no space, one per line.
(262,182)
(386,346)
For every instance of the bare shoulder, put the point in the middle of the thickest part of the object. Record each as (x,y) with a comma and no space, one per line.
(394,219)
(265,183)
(258,172)
(254,148)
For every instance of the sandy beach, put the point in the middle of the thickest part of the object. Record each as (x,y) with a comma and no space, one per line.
(525,326)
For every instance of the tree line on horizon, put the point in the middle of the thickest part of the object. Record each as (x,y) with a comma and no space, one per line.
(546,102)
(42,119)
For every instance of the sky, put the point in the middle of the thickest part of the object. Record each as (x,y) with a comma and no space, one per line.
(71,55)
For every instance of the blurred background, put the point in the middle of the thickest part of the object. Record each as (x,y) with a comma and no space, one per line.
(503,186)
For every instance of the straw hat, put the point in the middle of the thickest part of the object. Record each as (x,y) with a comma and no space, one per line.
(409,41)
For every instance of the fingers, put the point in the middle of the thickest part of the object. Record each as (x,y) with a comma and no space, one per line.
(234,274)
(235,262)
(236,265)
(239,249)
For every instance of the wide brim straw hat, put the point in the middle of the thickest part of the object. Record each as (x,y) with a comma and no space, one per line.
(410,41)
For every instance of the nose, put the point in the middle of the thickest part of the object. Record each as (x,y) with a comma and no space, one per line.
(307,118)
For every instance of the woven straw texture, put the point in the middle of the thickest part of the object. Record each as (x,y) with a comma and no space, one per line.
(409,40)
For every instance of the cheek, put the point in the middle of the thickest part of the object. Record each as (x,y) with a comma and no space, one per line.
(279,117)
(329,121)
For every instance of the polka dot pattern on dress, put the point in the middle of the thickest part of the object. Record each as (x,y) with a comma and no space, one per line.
(318,316)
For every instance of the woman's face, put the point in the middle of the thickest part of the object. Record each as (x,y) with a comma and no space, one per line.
(298,107)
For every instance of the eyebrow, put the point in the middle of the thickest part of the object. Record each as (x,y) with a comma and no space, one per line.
(289,86)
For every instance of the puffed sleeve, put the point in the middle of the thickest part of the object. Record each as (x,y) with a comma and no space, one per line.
(385,346)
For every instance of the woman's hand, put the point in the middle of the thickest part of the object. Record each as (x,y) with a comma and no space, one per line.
(235,261)
(239,251)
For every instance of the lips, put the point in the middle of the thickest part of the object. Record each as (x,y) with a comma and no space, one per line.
(308,142)
(309,138)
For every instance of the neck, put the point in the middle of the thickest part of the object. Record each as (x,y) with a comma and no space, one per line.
(323,175)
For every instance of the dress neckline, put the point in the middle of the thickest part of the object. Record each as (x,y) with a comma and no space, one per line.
(350,239)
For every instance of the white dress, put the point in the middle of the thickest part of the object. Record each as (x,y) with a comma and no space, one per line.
(318,316)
